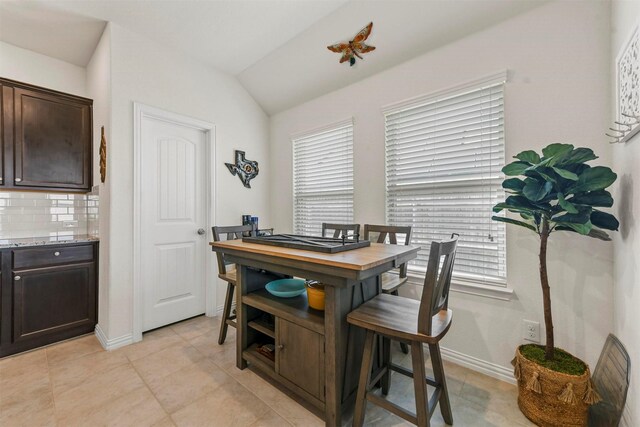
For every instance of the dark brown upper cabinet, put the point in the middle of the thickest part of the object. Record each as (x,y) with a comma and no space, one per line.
(46,139)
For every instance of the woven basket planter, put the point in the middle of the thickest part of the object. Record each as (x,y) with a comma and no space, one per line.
(553,399)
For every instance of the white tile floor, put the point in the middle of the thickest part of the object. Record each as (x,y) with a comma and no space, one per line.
(180,376)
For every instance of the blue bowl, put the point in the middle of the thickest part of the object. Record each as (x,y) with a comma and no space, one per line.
(286,288)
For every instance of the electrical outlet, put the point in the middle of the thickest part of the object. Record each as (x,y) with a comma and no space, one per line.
(531,330)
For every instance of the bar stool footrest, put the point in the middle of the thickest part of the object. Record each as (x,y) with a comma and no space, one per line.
(393,408)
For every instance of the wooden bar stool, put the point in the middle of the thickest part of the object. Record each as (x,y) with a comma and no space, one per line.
(340,230)
(391,282)
(228,275)
(414,323)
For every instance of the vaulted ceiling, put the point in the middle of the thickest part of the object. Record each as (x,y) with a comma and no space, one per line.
(276,48)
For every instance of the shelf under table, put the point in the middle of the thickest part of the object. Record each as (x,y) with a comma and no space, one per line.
(295,309)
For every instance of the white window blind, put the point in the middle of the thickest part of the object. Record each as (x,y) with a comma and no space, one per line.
(444,157)
(323,178)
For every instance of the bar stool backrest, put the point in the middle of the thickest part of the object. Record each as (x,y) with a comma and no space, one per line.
(340,230)
(390,232)
(232,232)
(435,293)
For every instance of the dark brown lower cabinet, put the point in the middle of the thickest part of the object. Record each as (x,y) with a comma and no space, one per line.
(49,293)
(300,357)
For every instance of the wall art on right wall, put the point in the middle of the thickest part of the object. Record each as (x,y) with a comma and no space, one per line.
(628,78)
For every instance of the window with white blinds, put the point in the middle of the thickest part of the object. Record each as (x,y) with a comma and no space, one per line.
(444,156)
(323,178)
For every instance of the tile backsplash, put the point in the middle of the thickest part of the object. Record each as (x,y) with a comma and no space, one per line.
(35,214)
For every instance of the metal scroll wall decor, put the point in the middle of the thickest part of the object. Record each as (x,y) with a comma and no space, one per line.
(355,47)
(244,168)
(103,156)
(627,91)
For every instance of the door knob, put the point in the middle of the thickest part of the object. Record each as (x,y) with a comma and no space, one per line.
(17,278)
(201,231)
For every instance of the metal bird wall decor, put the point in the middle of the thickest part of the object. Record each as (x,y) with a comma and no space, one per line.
(355,47)
(246,169)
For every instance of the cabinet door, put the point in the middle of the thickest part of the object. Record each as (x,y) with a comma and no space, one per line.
(300,357)
(50,304)
(6,131)
(52,144)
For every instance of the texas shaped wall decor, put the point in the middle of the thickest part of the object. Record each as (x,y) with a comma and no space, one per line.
(246,169)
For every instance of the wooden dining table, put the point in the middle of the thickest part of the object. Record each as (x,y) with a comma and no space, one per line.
(317,353)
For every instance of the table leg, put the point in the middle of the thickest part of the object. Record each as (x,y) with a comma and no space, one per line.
(333,357)
(241,316)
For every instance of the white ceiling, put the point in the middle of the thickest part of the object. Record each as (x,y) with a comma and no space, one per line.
(60,34)
(276,48)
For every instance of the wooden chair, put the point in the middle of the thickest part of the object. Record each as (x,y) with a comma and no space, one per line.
(340,230)
(228,275)
(414,323)
(611,380)
(391,282)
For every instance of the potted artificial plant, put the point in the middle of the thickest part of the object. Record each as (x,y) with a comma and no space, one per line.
(557,192)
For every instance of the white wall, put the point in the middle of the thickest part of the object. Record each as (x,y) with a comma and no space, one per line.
(145,72)
(626,158)
(558,90)
(30,67)
(99,89)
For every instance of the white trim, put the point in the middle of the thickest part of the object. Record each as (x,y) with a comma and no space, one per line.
(112,344)
(323,128)
(487,368)
(490,80)
(220,309)
(502,293)
(141,111)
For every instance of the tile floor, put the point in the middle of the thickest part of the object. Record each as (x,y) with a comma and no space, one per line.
(180,376)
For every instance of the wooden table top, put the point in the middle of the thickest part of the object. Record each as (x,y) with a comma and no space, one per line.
(357,259)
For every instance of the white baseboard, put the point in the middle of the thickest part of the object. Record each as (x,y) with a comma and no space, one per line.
(478,365)
(220,309)
(112,344)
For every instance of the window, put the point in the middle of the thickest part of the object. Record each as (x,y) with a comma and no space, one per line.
(444,156)
(323,178)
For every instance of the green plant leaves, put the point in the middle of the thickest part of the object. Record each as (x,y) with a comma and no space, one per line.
(515,168)
(600,198)
(514,221)
(579,155)
(561,188)
(513,184)
(592,179)
(535,190)
(529,156)
(583,229)
(566,174)
(555,150)
(567,206)
(604,220)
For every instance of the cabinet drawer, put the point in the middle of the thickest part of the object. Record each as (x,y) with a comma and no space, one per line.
(39,257)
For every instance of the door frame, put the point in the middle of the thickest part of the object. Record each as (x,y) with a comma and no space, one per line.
(140,112)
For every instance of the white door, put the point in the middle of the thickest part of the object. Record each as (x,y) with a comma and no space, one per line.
(173,208)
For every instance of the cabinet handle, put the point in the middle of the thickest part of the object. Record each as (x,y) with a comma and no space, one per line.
(18,179)
(56,253)
(17,278)
(280,346)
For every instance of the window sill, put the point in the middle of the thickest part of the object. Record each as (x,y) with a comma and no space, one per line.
(465,287)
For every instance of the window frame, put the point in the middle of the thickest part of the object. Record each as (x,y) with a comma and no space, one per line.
(313,132)
(487,285)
